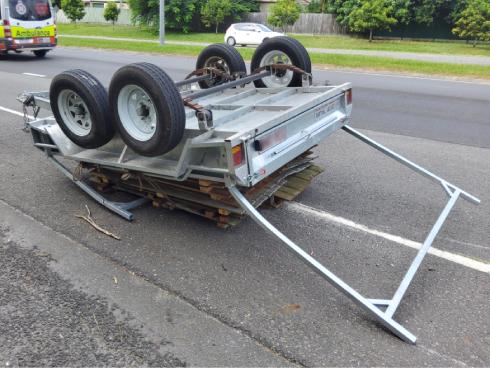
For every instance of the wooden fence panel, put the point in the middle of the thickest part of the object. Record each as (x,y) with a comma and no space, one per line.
(96,15)
(309,23)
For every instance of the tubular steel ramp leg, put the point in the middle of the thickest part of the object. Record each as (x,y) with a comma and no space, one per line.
(120,208)
(373,306)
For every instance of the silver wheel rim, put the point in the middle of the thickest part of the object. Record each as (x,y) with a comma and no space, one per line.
(74,113)
(219,63)
(281,79)
(137,112)
(231,41)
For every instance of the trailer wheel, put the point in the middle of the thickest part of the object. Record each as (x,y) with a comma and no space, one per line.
(148,109)
(80,106)
(222,57)
(281,50)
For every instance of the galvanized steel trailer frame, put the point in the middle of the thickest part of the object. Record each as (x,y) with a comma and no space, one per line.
(382,310)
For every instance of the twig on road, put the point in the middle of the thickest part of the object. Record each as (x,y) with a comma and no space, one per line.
(92,222)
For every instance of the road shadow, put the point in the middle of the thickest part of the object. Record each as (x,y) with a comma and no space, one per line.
(25,56)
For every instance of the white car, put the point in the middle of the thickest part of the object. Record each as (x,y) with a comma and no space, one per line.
(249,34)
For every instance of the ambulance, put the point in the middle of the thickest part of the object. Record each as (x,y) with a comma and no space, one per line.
(27,25)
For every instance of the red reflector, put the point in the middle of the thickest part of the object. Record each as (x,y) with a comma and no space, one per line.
(348,96)
(7,31)
(238,156)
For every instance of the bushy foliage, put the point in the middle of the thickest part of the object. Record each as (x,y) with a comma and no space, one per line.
(316,6)
(239,7)
(424,11)
(405,11)
(342,9)
(401,11)
(73,9)
(180,14)
(473,22)
(371,15)
(111,12)
(284,13)
(213,12)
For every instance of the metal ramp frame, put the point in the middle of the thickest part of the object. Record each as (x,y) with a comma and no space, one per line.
(120,208)
(372,306)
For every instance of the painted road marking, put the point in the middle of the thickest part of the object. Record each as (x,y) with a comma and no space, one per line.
(456,258)
(360,72)
(18,113)
(35,75)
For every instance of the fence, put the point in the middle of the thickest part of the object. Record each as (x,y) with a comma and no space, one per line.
(96,15)
(307,23)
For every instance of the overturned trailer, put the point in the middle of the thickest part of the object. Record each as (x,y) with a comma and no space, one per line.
(219,151)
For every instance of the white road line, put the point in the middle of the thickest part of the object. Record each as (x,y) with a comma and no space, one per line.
(449,80)
(14,112)
(456,258)
(18,113)
(35,75)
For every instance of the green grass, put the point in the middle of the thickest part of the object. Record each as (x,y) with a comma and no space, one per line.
(344,61)
(335,42)
(134,32)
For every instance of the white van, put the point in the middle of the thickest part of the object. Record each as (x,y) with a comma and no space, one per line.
(27,25)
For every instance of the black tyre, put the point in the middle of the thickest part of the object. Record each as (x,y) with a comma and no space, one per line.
(222,57)
(231,41)
(281,50)
(40,53)
(147,108)
(80,106)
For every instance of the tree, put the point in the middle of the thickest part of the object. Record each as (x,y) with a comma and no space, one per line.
(316,6)
(342,9)
(474,21)
(215,11)
(178,13)
(401,11)
(424,11)
(404,11)
(370,16)
(284,13)
(111,12)
(73,9)
(239,7)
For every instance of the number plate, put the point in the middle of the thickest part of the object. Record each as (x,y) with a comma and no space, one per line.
(24,41)
(42,40)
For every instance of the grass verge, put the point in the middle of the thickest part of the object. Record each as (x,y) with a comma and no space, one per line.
(344,61)
(328,42)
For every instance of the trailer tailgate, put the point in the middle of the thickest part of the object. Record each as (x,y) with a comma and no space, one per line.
(268,151)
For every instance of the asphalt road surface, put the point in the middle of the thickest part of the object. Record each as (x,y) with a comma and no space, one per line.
(204,296)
